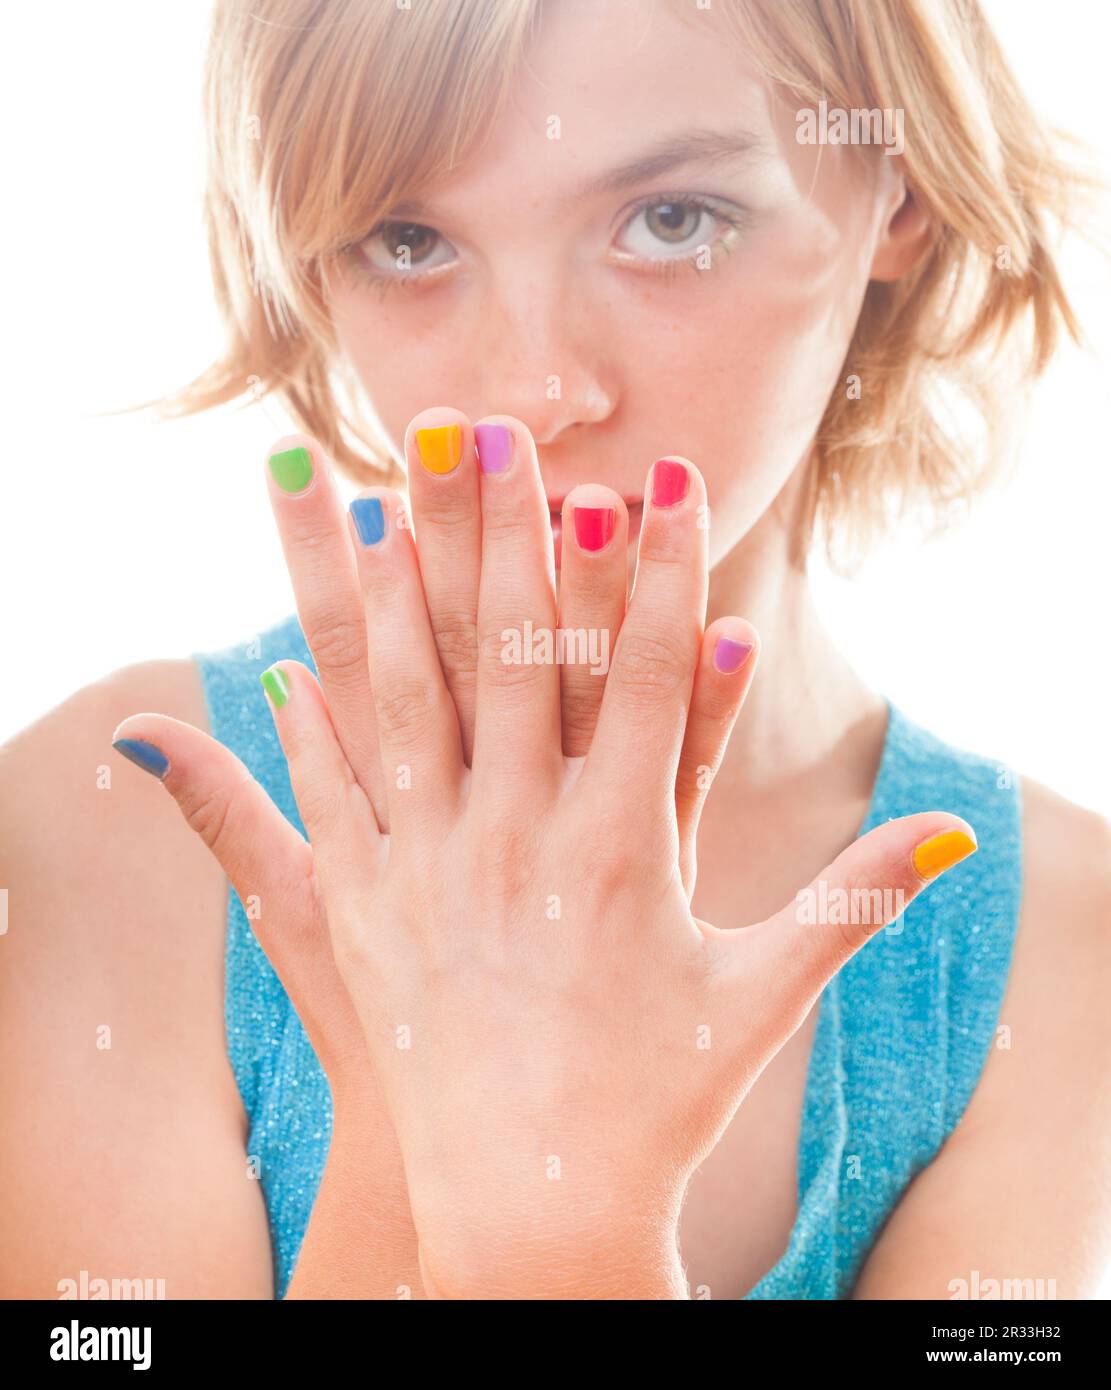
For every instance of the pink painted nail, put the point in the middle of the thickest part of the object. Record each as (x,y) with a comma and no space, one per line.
(730,656)
(670,481)
(594,527)
(494,445)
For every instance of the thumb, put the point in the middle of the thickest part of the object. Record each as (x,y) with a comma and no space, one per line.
(866,888)
(269,864)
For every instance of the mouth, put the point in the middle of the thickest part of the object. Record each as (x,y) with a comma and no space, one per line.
(634,505)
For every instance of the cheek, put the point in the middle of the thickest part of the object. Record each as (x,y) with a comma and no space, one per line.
(405,356)
(740,378)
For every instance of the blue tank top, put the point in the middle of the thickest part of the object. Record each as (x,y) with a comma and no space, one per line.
(903,1030)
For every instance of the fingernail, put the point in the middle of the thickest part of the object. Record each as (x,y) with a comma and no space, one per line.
(369,518)
(143,755)
(292,469)
(494,446)
(730,656)
(670,481)
(440,447)
(594,527)
(941,852)
(276,684)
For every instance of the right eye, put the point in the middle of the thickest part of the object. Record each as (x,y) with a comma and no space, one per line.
(401,251)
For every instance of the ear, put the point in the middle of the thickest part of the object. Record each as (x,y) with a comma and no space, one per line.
(905,238)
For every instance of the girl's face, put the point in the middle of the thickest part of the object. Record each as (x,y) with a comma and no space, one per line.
(643,260)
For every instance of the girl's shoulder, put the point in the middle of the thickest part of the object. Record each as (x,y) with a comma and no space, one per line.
(1063,949)
(110,892)
(1015,1188)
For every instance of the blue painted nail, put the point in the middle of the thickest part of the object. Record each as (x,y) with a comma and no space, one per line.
(370,520)
(143,755)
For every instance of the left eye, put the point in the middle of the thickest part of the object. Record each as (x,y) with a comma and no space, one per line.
(675,225)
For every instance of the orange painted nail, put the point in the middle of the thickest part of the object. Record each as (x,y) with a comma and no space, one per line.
(941,852)
(440,447)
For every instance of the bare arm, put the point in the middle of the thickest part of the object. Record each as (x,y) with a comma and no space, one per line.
(1019,1192)
(122,1135)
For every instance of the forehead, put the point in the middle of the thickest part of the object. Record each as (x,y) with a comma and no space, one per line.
(602,86)
(630,56)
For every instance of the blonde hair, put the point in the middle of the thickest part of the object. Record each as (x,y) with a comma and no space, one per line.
(315,128)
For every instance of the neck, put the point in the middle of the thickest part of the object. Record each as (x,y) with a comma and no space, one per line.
(807,710)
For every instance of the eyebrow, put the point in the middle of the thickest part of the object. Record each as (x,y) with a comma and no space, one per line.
(699,146)
(684,147)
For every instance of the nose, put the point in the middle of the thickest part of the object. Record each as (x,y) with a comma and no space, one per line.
(543,350)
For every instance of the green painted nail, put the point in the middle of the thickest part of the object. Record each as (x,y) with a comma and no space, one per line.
(276,685)
(292,470)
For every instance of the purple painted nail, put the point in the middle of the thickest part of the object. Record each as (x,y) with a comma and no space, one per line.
(730,656)
(494,444)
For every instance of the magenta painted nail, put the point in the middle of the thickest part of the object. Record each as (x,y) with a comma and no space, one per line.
(730,656)
(670,481)
(494,445)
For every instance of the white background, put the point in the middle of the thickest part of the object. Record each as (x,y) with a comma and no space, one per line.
(124,539)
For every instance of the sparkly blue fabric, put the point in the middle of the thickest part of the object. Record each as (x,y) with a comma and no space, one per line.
(903,1030)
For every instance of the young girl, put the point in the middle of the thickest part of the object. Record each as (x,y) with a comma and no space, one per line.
(574,989)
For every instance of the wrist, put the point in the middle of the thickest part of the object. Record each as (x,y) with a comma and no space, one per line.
(532,1258)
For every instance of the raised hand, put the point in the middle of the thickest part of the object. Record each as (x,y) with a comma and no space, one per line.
(559,1042)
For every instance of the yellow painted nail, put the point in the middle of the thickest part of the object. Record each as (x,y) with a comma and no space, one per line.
(934,856)
(440,447)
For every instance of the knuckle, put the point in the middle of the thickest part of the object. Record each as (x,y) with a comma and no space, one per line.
(456,637)
(651,663)
(319,806)
(506,522)
(580,706)
(505,666)
(454,517)
(610,873)
(505,859)
(298,743)
(351,950)
(713,718)
(404,710)
(338,643)
(858,909)
(664,547)
(209,815)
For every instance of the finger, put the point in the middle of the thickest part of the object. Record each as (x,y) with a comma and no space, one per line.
(726,666)
(334,808)
(312,525)
(447,521)
(592,592)
(269,865)
(644,708)
(866,888)
(418,727)
(517,730)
